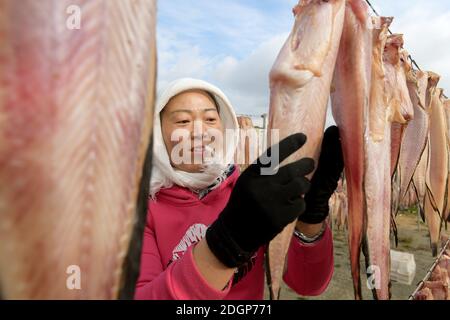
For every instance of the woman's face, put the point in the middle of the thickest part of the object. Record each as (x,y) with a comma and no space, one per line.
(190,118)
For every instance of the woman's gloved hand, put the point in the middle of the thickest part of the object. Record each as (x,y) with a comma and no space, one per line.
(260,206)
(325,180)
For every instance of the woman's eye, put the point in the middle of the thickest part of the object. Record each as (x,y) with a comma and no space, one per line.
(211,119)
(183,121)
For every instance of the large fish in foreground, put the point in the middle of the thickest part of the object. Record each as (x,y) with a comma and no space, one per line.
(300,82)
(247,150)
(76,104)
(377,178)
(350,103)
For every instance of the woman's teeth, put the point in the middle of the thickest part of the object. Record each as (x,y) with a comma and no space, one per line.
(198,149)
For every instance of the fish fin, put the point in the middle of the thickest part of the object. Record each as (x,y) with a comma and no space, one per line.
(395,183)
(420,206)
(131,263)
(411,181)
(422,213)
(432,200)
(434,249)
(394,229)
(365,250)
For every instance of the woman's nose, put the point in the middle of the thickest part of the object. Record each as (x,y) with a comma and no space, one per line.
(199,130)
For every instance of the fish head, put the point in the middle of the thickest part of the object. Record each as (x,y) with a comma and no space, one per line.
(433,79)
(397,64)
(447,103)
(405,61)
(431,83)
(392,49)
(422,83)
(304,54)
(440,94)
(245,122)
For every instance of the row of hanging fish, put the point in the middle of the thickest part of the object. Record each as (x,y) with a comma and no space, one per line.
(338,207)
(392,121)
(76,113)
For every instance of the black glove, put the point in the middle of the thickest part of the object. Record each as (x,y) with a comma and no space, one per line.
(325,179)
(260,206)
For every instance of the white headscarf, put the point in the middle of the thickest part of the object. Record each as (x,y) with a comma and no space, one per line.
(163,174)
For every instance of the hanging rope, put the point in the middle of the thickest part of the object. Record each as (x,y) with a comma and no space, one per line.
(413,62)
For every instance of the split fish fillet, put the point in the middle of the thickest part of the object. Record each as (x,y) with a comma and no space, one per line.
(437,172)
(300,82)
(447,117)
(433,80)
(350,104)
(397,67)
(337,206)
(397,133)
(421,173)
(416,133)
(419,178)
(400,104)
(76,110)
(446,104)
(247,151)
(410,198)
(377,179)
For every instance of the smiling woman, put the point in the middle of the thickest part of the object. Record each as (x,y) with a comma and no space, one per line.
(195,114)
(207,223)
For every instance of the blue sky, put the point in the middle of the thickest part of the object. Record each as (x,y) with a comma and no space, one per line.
(233,43)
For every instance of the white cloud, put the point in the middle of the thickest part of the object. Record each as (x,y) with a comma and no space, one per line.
(246,81)
(238,54)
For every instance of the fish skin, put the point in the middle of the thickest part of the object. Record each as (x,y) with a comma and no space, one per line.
(300,81)
(350,103)
(377,179)
(397,133)
(446,104)
(377,116)
(76,112)
(396,67)
(433,80)
(437,173)
(416,133)
(426,84)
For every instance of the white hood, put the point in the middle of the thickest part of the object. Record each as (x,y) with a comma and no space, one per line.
(163,174)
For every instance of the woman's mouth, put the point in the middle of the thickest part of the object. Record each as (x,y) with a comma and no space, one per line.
(199,150)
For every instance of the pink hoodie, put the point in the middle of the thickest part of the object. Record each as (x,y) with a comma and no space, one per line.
(178,219)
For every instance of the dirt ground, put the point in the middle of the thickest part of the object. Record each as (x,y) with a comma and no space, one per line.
(413,238)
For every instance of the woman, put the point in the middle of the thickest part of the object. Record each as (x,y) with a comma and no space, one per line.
(208,226)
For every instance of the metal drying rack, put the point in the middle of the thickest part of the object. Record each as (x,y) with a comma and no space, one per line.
(428,275)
